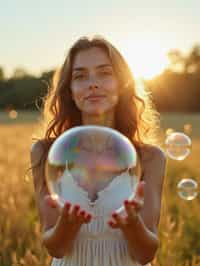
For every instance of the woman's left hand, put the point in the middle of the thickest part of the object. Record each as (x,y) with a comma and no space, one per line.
(132,209)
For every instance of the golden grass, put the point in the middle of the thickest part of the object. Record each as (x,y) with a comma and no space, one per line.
(20,238)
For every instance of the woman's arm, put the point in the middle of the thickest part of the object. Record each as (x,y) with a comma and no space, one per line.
(59,228)
(143,243)
(48,216)
(140,230)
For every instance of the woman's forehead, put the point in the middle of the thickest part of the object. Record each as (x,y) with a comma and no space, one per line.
(91,58)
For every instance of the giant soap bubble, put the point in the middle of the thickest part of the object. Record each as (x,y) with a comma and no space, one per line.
(178,146)
(89,158)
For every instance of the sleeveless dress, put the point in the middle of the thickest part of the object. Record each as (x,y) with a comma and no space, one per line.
(97,244)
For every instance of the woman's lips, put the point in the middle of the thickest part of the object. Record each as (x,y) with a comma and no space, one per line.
(95,98)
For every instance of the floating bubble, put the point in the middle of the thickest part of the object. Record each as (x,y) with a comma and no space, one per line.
(187,129)
(89,159)
(187,189)
(178,146)
(169,131)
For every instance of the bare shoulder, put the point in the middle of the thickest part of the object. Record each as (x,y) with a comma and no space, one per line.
(37,151)
(37,147)
(152,153)
(153,160)
(40,148)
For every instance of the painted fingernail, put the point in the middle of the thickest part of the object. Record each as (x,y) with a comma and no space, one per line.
(67,205)
(77,207)
(126,202)
(110,223)
(82,212)
(114,215)
(88,216)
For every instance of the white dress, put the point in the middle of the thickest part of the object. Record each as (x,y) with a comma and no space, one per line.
(97,244)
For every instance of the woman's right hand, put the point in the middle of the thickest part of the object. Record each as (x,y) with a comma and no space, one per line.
(71,216)
(59,238)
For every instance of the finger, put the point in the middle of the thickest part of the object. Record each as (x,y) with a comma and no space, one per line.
(137,204)
(113,224)
(83,216)
(64,218)
(75,210)
(128,206)
(130,210)
(118,219)
(54,202)
(66,208)
(140,189)
(88,218)
(51,200)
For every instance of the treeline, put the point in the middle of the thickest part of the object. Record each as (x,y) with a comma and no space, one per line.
(176,89)
(176,92)
(24,92)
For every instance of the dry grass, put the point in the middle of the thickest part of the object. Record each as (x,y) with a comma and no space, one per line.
(20,231)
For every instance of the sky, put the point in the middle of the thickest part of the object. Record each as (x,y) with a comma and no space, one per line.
(36,35)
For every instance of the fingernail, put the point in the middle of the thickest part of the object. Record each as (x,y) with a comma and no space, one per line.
(67,205)
(114,215)
(89,216)
(77,207)
(82,212)
(126,202)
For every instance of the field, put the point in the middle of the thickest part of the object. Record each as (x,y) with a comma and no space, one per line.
(19,227)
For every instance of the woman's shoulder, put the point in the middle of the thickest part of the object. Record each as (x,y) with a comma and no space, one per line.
(39,147)
(151,153)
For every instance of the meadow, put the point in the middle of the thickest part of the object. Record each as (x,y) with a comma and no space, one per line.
(20,238)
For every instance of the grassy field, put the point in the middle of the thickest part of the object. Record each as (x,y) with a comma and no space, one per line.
(20,230)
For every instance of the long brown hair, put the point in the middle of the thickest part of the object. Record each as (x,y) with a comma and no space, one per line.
(135,116)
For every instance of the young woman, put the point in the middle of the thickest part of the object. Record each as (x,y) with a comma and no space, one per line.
(95,87)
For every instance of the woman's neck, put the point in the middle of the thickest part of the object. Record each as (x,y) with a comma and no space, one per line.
(105,119)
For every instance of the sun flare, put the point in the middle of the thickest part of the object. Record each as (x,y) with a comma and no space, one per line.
(145,58)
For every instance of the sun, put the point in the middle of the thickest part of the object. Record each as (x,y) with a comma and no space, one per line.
(145,58)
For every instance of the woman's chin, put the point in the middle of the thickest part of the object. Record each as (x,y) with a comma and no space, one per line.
(96,110)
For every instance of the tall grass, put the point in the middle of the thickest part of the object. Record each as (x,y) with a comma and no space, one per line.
(20,238)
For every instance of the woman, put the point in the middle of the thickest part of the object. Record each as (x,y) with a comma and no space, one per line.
(95,87)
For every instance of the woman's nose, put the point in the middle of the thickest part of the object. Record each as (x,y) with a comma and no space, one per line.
(93,84)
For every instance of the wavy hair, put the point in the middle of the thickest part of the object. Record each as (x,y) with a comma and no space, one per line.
(135,115)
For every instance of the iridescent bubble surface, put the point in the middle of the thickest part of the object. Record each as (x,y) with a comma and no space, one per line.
(90,157)
(178,146)
(187,189)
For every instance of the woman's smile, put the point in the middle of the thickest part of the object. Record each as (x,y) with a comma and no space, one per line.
(95,98)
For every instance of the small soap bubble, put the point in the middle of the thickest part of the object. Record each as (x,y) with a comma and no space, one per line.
(178,146)
(187,189)
(169,131)
(187,129)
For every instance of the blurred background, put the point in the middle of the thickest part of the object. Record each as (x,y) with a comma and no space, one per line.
(160,41)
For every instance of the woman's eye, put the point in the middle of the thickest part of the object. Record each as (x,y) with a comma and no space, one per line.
(80,76)
(105,73)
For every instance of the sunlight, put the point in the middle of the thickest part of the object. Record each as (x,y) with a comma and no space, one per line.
(145,58)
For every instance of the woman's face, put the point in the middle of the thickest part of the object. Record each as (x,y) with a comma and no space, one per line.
(94,85)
